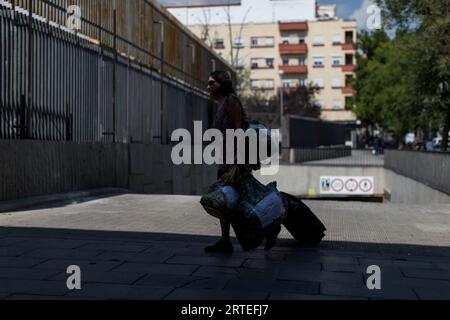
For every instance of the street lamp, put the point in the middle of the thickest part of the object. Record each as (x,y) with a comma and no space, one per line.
(281,73)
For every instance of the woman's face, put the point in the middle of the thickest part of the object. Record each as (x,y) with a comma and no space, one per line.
(213,87)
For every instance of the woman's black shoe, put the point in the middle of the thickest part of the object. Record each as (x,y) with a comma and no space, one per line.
(221,246)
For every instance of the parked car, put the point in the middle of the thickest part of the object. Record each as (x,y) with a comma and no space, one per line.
(437,144)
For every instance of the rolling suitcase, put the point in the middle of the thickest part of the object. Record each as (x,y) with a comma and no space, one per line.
(301,222)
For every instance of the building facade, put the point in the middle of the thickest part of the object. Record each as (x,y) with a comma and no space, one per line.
(289,44)
(291,54)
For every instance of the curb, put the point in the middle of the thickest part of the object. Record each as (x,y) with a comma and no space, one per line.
(16,205)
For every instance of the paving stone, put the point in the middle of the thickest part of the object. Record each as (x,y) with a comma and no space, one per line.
(55,243)
(6,242)
(319,276)
(19,262)
(426,273)
(13,251)
(283,296)
(27,274)
(223,261)
(343,268)
(108,277)
(117,291)
(33,287)
(158,257)
(167,280)
(85,265)
(301,287)
(113,247)
(350,290)
(29,297)
(392,262)
(211,283)
(62,254)
(321,259)
(432,294)
(199,294)
(157,268)
(220,272)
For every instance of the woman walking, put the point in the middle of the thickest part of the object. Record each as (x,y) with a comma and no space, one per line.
(229,115)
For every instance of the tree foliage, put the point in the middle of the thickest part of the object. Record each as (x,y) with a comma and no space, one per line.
(402,83)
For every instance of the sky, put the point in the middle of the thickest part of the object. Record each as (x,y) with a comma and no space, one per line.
(346,9)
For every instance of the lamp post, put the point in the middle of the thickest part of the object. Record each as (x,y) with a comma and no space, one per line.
(281,73)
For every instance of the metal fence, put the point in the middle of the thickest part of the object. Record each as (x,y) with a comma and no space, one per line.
(102,84)
(429,168)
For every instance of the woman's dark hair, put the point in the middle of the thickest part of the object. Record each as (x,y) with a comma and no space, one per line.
(224,79)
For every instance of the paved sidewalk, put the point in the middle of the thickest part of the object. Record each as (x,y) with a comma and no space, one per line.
(151,247)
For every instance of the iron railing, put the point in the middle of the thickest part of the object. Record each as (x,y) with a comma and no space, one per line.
(111,81)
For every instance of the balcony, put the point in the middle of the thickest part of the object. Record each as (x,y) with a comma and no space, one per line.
(348,46)
(293,48)
(348,68)
(294,69)
(347,90)
(293,26)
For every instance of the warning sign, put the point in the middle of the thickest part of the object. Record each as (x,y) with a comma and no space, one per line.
(347,185)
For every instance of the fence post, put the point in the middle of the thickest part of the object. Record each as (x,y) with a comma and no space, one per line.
(114,75)
(69,121)
(29,103)
(22,126)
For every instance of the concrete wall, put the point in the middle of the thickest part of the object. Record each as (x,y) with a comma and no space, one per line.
(298,179)
(152,171)
(31,168)
(401,189)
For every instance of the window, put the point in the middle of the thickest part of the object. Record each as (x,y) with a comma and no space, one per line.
(318,40)
(219,44)
(301,40)
(255,42)
(269,84)
(349,37)
(255,84)
(318,61)
(348,59)
(285,40)
(301,82)
(269,41)
(318,83)
(301,61)
(286,83)
(336,82)
(239,42)
(285,62)
(337,61)
(337,39)
(337,104)
(269,63)
(254,64)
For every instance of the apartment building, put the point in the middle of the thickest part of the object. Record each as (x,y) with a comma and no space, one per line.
(288,44)
(290,54)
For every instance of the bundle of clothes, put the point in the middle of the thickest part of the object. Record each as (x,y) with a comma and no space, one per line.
(257,211)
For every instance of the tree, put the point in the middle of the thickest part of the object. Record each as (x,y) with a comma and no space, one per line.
(384,90)
(297,101)
(429,22)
